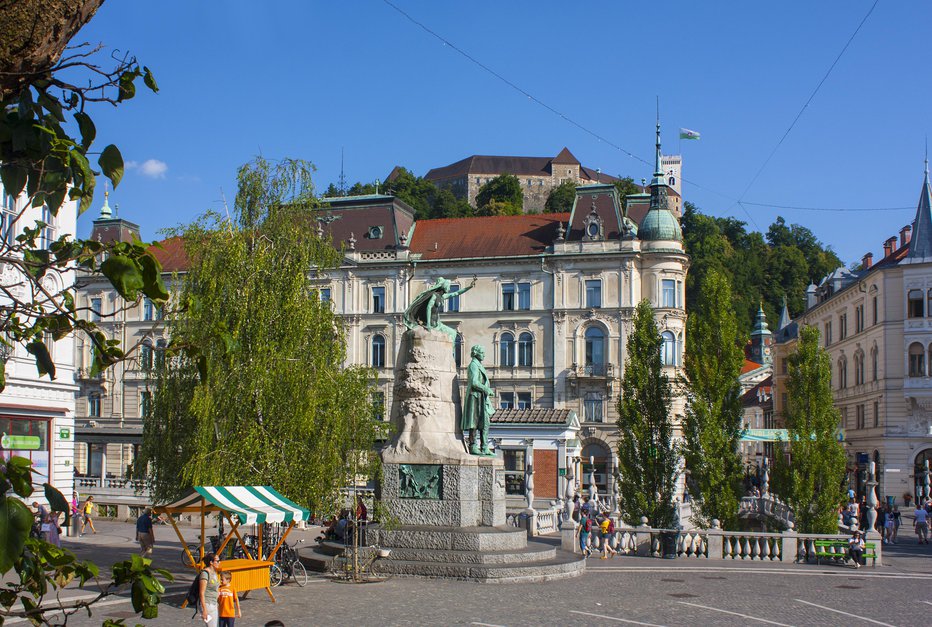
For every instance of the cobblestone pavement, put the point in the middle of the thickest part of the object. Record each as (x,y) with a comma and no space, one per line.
(625,590)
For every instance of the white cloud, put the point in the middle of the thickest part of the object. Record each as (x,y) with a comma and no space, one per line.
(153,168)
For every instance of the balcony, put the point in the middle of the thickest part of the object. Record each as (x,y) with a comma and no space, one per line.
(112,487)
(594,370)
(84,374)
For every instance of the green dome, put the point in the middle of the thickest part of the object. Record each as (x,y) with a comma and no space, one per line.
(660,224)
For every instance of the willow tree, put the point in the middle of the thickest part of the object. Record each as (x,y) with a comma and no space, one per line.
(812,482)
(648,458)
(712,427)
(253,389)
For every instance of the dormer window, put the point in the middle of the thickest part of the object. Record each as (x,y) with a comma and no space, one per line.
(375,232)
(592,226)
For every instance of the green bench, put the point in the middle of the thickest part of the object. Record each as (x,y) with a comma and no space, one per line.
(838,550)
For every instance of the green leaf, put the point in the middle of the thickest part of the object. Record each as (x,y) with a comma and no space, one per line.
(15,522)
(88,196)
(124,274)
(87,129)
(153,287)
(19,474)
(52,105)
(149,79)
(14,179)
(44,363)
(36,262)
(57,501)
(111,162)
(127,87)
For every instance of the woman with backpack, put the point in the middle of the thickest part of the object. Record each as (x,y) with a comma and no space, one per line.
(583,531)
(607,530)
(208,582)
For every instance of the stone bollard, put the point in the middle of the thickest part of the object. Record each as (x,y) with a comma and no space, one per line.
(530,522)
(643,538)
(714,541)
(568,540)
(790,546)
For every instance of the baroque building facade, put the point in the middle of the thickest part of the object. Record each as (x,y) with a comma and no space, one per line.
(876,325)
(552,301)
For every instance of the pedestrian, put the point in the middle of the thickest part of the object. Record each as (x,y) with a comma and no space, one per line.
(896,522)
(87,512)
(227,601)
(75,514)
(583,531)
(145,532)
(577,508)
(586,506)
(209,589)
(888,524)
(53,532)
(607,530)
(856,548)
(921,524)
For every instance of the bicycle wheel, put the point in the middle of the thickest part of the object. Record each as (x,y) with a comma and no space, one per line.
(186,557)
(299,573)
(276,575)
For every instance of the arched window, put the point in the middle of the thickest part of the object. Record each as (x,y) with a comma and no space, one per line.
(668,349)
(145,356)
(160,347)
(917,360)
(378,351)
(507,350)
(859,368)
(914,305)
(600,459)
(525,349)
(458,350)
(919,468)
(842,373)
(672,181)
(595,350)
(874,364)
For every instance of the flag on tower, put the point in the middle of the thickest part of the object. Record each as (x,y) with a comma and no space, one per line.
(685,133)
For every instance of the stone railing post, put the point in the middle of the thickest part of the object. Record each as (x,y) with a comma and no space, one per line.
(714,541)
(643,538)
(790,544)
(568,540)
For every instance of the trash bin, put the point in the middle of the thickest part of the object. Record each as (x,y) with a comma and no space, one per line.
(668,541)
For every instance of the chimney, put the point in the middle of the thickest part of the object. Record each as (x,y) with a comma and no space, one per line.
(889,246)
(905,232)
(867,261)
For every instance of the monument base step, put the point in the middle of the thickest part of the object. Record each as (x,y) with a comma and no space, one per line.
(449,538)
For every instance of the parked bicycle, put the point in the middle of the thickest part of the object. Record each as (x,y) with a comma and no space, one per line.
(287,564)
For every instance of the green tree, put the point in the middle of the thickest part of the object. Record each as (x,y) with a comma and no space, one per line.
(255,391)
(561,198)
(504,189)
(712,427)
(648,458)
(498,208)
(812,482)
(625,186)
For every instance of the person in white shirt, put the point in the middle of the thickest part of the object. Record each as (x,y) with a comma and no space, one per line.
(921,524)
(856,548)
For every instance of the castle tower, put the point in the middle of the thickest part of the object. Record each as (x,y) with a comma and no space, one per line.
(761,340)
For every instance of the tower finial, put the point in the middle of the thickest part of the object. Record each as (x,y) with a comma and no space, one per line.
(105,210)
(658,171)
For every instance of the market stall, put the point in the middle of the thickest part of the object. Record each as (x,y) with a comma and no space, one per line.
(238,505)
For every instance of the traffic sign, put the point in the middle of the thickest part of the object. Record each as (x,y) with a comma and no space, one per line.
(20,442)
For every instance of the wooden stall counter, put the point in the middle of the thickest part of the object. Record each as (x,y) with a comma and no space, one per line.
(249,575)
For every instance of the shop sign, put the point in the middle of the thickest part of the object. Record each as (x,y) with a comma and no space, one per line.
(20,442)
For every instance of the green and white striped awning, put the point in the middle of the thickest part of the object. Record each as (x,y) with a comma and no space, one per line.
(775,435)
(251,504)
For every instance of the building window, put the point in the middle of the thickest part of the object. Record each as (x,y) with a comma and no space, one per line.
(525,350)
(96,309)
(842,373)
(859,416)
(876,414)
(593,293)
(8,219)
(516,296)
(668,293)
(458,350)
(524,400)
(325,294)
(859,369)
(145,357)
(28,426)
(93,405)
(917,360)
(783,368)
(507,350)
(145,404)
(452,304)
(595,351)
(914,304)
(874,364)
(514,471)
(160,347)
(378,300)
(592,407)
(668,349)
(378,406)
(506,400)
(828,333)
(874,307)
(148,309)
(47,234)
(859,318)
(842,326)
(378,351)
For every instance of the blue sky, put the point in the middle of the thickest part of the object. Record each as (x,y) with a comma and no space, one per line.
(309,79)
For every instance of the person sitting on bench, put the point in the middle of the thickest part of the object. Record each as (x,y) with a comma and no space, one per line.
(856,548)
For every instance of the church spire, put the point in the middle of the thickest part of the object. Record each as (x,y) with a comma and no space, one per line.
(920,244)
(105,211)
(784,317)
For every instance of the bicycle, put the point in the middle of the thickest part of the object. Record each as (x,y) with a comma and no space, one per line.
(287,564)
(359,566)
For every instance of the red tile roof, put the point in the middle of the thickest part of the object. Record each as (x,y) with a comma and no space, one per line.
(495,236)
(566,157)
(749,366)
(171,254)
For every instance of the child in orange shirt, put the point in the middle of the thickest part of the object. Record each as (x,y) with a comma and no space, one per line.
(227,601)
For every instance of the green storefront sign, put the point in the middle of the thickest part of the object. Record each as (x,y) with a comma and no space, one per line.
(20,442)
